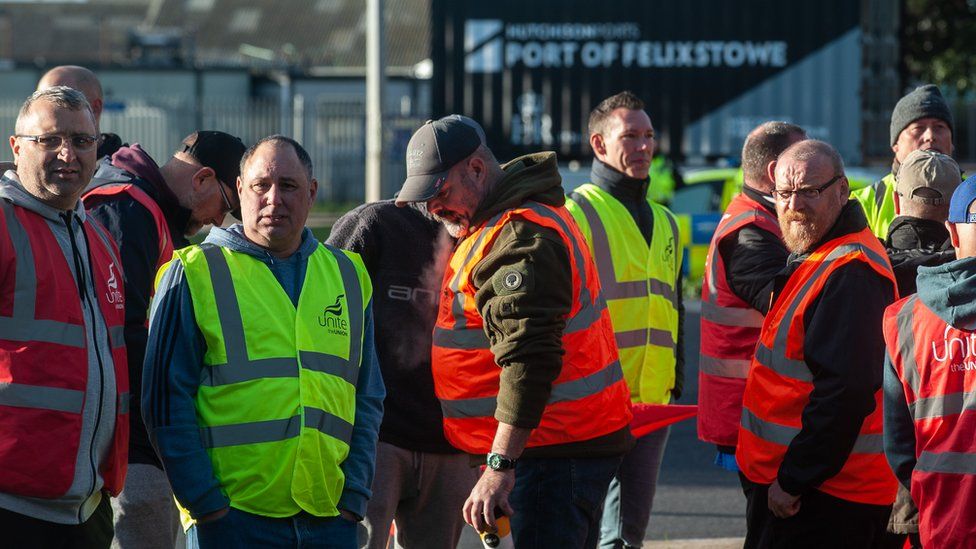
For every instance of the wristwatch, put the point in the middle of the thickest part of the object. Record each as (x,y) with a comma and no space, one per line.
(499,462)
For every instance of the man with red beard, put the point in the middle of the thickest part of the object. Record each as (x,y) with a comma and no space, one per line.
(810,440)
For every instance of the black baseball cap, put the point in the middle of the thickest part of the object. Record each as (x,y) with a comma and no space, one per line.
(220,152)
(433,150)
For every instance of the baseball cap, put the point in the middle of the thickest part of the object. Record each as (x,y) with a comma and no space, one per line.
(961,201)
(930,170)
(220,152)
(433,150)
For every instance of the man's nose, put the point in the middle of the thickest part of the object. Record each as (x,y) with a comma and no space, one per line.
(67,151)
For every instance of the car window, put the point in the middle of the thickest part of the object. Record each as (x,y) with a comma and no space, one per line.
(699,198)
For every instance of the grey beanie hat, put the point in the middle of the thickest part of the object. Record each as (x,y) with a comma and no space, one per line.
(924,102)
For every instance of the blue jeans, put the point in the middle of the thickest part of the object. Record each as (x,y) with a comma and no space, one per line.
(557,501)
(241,529)
(631,494)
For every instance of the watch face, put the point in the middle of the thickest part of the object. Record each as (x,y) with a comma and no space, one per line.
(494,461)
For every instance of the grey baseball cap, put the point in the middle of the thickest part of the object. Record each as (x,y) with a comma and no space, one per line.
(433,150)
(931,170)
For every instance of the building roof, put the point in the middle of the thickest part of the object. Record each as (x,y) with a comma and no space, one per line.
(303,34)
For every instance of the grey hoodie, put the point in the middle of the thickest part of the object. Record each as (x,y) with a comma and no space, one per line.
(98,414)
(950,292)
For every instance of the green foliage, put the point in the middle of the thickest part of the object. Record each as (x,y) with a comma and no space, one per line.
(939,42)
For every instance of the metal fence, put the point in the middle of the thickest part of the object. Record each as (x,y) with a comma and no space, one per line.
(332,129)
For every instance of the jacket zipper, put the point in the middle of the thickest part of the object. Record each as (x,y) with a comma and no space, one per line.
(83,293)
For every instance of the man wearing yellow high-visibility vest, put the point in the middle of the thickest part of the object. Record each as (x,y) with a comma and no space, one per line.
(637,251)
(920,120)
(262,393)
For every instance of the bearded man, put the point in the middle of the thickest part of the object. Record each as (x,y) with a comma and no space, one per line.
(810,439)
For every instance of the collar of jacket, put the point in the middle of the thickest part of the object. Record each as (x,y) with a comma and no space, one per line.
(850,220)
(914,233)
(764,200)
(618,184)
(530,177)
(136,161)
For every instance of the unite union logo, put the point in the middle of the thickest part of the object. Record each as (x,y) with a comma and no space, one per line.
(113,295)
(332,320)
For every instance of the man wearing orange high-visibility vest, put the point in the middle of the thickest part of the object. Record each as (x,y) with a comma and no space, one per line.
(930,380)
(810,440)
(745,255)
(524,361)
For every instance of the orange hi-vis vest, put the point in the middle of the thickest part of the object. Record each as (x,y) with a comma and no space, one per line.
(936,364)
(729,331)
(44,356)
(779,384)
(589,397)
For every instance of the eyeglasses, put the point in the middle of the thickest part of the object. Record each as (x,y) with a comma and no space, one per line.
(811,193)
(55,142)
(228,207)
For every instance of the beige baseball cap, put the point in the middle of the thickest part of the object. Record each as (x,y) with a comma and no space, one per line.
(927,177)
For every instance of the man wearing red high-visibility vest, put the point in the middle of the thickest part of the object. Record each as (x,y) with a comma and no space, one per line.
(810,440)
(64,402)
(930,380)
(524,360)
(745,254)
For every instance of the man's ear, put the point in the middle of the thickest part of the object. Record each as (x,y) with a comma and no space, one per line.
(771,172)
(953,234)
(598,145)
(15,148)
(313,188)
(202,175)
(479,171)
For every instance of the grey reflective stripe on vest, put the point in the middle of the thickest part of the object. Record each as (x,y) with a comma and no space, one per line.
(276,430)
(329,424)
(906,343)
(116,333)
(711,310)
(218,436)
(354,302)
(462,337)
(457,297)
(640,338)
(731,316)
(239,368)
(22,324)
(943,405)
(871,443)
(726,367)
(612,289)
(44,398)
(775,358)
(571,390)
(124,403)
(879,193)
(959,463)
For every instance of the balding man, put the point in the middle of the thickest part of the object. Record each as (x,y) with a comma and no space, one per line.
(810,443)
(929,380)
(745,254)
(87,83)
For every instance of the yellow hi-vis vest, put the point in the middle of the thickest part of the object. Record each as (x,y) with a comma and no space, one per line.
(638,283)
(277,398)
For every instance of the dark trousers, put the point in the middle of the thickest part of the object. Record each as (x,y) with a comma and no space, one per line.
(18,530)
(823,521)
(557,501)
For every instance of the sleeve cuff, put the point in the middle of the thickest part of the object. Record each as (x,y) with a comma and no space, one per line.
(354,502)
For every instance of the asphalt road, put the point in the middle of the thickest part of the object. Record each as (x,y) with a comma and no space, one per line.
(695,499)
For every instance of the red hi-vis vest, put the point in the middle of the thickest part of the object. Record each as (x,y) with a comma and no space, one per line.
(162,228)
(729,331)
(936,364)
(44,359)
(589,398)
(780,382)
